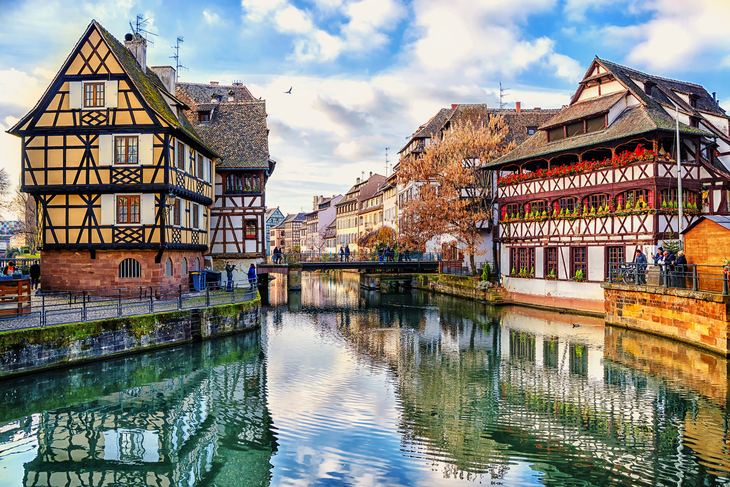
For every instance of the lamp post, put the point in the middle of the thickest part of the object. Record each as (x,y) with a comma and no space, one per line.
(680,203)
(169,202)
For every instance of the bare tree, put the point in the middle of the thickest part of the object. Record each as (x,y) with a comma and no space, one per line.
(24,205)
(453,194)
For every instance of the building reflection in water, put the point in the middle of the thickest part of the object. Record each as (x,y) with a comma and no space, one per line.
(482,388)
(166,426)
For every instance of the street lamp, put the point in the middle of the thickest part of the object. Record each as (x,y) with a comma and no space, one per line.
(169,202)
(680,213)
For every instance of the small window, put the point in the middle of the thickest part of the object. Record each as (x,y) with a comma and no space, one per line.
(616,255)
(551,262)
(168,267)
(531,130)
(579,261)
(201,167)
(575,129)
(181,156)
(126,150)
(176,219)
(597,201)
(129,269)
(192,162)
(93,95)
(203,116)
(127,209)
(184,267)
(595,124)
(569,203)
(556,134)
(195,216)
(628,199)
(196,264)
(694,122)
(233,184)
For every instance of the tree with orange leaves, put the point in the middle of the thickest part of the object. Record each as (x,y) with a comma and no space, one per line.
(453,195)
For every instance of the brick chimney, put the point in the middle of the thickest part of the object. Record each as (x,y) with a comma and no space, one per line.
(454,105)
(137,45)
(518,106)
(536,108)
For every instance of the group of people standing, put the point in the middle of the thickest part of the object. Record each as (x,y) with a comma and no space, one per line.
(673,268)
(277,256)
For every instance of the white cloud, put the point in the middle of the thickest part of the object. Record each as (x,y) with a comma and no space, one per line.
(258,10)
(20,88)
(680,36)
(291,20)
(211,18)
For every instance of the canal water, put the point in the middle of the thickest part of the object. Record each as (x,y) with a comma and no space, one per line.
(343,386)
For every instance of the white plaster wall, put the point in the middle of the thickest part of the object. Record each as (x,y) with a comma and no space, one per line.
(590,291)
(719,122)
(540,262)
(596,263)
(563,263)
(611,87)
(617,110)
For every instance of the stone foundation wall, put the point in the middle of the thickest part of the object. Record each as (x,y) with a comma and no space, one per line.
(35,349)
(461,286)
(698,318)
(68,270)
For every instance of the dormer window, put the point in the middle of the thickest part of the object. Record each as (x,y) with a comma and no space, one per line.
(648,85)
(577,128)
(693,101)
(531,130)
(694,122)
(204,116)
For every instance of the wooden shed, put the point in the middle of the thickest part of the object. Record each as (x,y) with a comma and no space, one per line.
(707,243)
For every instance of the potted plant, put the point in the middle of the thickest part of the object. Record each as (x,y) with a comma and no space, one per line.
(551,276)
(579,276)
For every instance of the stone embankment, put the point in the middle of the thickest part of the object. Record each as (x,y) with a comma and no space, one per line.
(461,286)
(35,349)
(698,318)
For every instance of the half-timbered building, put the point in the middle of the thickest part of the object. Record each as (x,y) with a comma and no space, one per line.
(231,121)
(121,180)
(599,180)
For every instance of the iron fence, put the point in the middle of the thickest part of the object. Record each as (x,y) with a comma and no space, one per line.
(80,306)
(697,277)
(296,258)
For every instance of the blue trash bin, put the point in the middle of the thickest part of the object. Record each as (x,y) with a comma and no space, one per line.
(198,280)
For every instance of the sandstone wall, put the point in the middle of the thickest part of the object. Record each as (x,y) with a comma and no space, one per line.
(698,318)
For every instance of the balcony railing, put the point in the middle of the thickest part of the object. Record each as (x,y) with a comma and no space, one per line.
(697,277)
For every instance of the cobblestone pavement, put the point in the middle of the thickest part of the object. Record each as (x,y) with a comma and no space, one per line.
(61,310)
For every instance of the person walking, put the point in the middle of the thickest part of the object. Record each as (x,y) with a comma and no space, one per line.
(407,254)
(342,254)
(229,273)
(35,275)
(680,270)
(641,263)
(275,255)
(347,253)
(252,276)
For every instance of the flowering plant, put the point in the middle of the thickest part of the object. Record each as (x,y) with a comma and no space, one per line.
(620,160)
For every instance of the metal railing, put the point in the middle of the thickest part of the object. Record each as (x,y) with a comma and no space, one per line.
(295,258)
(57,308)
(697,277)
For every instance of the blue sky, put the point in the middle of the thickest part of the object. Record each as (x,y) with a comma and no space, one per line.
(366,73)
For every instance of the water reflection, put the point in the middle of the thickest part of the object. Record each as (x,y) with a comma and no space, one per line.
(194,415)
(514,396)
(345,386)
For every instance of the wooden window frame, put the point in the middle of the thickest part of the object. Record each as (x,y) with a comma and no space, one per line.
(169,268)
(98,96)
(609,260)
(184,270)
(551,264)
(522,258)
(128,217)
(575,264)
(636,194)
(201,166)
(204,116)
(180,155)
(196,211)
(193,156)
(126,139)
(177,206)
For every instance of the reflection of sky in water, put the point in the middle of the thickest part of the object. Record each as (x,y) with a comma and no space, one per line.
(22,448)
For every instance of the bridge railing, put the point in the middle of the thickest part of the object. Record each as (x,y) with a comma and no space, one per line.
(301,257)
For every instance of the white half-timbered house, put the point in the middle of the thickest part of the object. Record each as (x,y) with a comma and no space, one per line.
(231,121)
(599,180)
(121,180)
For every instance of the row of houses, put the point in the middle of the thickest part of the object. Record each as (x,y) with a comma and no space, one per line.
(138,179)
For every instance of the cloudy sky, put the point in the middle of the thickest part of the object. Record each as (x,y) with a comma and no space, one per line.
(366,73)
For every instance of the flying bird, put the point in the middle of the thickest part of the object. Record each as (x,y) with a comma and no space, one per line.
(288,92)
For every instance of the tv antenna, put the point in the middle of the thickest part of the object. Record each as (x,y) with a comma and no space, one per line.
(386,161)
(138,27)
(502,92)
(176,57)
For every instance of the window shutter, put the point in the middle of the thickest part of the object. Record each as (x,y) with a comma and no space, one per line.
(147,202)
(112,94)
(108,209)
(106,149)
(74,94)
(146,149)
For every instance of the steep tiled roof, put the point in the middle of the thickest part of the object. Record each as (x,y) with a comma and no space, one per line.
(518,122)
(633,121)
(236,130)
(649,116)
(584,109)
(148,84)
(664,89)
(430,128)
(369,189)
(198,93)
